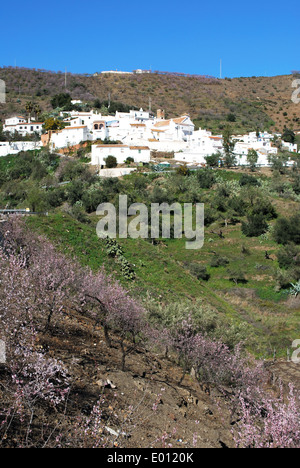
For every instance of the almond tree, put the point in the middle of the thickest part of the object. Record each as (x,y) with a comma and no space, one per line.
(271,423)
(32,377)
(112,307)
(52,277)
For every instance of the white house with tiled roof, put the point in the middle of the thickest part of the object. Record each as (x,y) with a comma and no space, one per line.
(14,120)
(9,148)
(178,129)
(22,126)
(69,136)
(202,143)
(140,154)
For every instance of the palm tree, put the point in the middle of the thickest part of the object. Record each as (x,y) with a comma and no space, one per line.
(37,111)
(29,108)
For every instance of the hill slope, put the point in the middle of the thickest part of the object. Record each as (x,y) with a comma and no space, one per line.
(257,102)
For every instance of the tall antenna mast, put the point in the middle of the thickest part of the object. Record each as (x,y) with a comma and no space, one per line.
(66,78)
(220,69)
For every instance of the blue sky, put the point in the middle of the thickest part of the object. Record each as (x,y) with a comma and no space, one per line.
(254,38)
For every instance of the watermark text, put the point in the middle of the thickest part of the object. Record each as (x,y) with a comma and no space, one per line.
(2,92)
(296,93)
(140,221)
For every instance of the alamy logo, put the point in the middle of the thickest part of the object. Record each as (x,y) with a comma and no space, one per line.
(296,353)
(167,221)
(2,352)
(2,92)
(296,93)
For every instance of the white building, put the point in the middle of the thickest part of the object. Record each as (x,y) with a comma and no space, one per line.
(120,152)
(139,129)
(291,147)
(116,72)
(7,148)
(202,143)
(179,129)
(69,136)
(22,126)
(14,120)
(116,172)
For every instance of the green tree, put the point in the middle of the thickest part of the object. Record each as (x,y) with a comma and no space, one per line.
(289,256)
(29,108)
(231,117)
(183,170)
(288,136)
(252,159)
(37,111)
(36,199)
(111,162)
(279,162)
(237,275)
(199,271)
(206,178)
(62,100)
(255,226)
(213,160)
(228,146)
(287,230)
(53,124)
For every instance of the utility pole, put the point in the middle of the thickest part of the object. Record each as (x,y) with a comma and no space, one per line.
(220,69)
(150,104)
(66,78)
(109,97)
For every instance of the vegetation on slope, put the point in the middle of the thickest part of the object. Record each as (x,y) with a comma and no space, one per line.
(249,103)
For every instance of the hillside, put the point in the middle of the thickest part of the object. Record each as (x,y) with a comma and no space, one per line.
(141,342)
(87,366)
(256,102)
(235,276)
(144,401)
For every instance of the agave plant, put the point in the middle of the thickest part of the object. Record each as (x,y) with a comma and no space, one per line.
(295,289)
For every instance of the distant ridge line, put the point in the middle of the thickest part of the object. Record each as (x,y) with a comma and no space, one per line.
(155,72)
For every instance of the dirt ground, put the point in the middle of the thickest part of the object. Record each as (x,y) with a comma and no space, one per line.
(147,400)
(287,371)
(144,402)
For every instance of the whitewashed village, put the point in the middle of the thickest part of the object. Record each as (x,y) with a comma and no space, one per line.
(137,136)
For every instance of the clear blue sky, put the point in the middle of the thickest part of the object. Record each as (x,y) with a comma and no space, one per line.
(251,38)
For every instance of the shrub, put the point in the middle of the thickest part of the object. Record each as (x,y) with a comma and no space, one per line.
(199,271)
(183,170)
(129,160)
(92,198)
(289,256)
(285,278)
(231,118)
(237,275)
(265,208)
(218,261)
(62,100)
(213,160)
(296,185)
(111,162)
(55,197)
(247,179)
(255,226)
(287,230)
(206,178)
